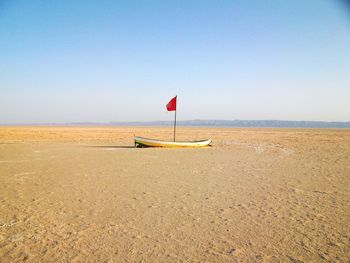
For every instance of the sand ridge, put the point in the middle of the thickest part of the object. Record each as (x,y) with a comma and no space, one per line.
(258,195)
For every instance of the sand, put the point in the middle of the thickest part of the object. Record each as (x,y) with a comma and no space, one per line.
(76,194)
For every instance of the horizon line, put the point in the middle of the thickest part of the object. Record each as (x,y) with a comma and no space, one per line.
(199,122)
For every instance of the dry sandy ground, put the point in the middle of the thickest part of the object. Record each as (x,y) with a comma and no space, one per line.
(70,194)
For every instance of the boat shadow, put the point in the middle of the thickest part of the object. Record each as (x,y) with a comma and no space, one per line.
(113,146)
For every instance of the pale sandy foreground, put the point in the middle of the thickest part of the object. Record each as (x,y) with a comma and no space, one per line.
(258,195)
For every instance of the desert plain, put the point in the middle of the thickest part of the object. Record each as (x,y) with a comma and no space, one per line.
(85,194)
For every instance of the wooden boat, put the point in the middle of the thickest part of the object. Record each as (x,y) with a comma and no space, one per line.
(145,142)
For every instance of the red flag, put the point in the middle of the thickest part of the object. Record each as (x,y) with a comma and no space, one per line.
(171,106)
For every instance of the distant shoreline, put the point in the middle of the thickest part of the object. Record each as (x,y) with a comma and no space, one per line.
(207,123)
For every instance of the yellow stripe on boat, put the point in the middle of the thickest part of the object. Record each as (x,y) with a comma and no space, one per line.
(146,142)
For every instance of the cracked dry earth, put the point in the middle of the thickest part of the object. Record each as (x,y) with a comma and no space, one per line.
(75,194)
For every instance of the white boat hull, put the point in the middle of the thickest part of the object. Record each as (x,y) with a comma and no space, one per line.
(146,142)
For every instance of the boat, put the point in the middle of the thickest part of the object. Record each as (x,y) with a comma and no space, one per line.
(146,142)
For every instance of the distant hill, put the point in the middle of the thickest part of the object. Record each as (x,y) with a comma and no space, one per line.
(207,123)
(231,123)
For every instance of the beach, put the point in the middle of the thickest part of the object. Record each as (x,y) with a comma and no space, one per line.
(77,194)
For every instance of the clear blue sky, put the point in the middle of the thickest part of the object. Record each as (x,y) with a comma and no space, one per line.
(68,61)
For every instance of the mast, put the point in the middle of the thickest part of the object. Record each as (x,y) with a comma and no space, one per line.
(175,124)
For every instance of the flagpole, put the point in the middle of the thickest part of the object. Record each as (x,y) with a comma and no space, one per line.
(172,106)
(174,125)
